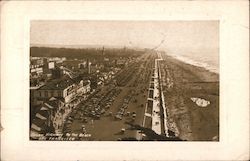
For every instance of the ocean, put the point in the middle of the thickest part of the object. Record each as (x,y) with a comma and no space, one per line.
(206,58)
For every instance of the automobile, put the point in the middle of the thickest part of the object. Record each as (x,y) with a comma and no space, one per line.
(83,129)
(123,130)
(102,111)
(97,117)
(107,106)
(118,117)
(97,113)
(70,118)
(84,120)
(121,112)
(90,114)
(125,106)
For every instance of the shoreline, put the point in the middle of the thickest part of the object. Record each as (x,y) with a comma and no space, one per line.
(198,63)
(186,81)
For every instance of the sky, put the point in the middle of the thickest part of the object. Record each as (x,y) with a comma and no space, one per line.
(144,34)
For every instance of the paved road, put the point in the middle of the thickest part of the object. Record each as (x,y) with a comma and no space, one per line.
(109,129)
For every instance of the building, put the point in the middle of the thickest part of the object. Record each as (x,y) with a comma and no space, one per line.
(69,72)
(36,70)
(64,88)
(51,65)
(57,60)
(83,87)
(82,65)
(49,118)
(121,62)
(57,73)
(53,101)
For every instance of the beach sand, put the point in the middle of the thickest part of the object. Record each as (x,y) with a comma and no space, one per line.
(183,82)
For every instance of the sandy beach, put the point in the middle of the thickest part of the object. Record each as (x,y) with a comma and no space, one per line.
(183,82)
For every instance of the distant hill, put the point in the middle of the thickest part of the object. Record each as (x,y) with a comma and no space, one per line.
(82,53)
(73,46)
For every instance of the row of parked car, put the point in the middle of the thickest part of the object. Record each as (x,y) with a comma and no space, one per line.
(93,108)
(126,75)
(122,110)
(98,104)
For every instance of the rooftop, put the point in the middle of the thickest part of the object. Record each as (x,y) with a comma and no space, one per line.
(62,83)
(57,84)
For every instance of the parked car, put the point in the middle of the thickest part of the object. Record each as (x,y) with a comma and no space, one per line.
(123,130)
(118,117)
(84,120)
(97,117)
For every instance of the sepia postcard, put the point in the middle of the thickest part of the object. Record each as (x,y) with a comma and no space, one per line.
(124,80)
(132,80)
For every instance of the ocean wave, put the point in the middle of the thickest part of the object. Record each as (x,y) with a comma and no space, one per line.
(200,63)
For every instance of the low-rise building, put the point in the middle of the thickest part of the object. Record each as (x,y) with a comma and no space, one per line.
(36,70)
(48,118)
(64,88)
